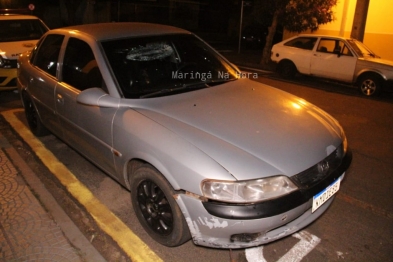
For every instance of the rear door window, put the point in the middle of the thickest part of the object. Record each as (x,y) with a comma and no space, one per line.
(306,43)
(46,56)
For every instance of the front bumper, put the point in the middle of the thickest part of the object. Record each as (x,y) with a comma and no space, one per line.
(242,226)
(8,79)
(388,86)
(210,231)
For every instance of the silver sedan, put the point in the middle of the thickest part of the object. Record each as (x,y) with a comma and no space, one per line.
(206,152)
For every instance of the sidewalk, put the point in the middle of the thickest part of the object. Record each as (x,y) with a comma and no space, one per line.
(248,59)
(33,227)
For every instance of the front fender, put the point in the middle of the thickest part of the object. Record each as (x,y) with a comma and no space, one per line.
(181,163)
(366,67)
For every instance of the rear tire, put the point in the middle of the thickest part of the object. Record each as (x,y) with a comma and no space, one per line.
(286,69)
(32,117)
(156,209)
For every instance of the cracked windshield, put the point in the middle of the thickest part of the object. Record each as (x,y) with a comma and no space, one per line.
(165,65)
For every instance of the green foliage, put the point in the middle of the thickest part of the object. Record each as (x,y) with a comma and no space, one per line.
(300,15)
(294,16)
(297,15)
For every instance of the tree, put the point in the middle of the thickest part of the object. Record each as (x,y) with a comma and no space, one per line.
(294,16)
(72,11)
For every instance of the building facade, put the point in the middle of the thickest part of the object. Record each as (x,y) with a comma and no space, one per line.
(378,33)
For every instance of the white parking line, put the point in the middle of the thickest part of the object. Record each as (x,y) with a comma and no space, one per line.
(307,243)
(255,254)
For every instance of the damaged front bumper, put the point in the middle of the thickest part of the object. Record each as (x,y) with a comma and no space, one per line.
(215,232)
(221,225)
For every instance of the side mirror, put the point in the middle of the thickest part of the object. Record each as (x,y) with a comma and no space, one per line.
(97,97)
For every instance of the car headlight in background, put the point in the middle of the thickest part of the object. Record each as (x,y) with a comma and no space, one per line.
(2,62)
(345,141)
(248,191)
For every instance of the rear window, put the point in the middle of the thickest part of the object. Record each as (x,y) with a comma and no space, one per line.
(20,30)
(302,43)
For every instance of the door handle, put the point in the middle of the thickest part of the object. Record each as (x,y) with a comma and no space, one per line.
(59,99)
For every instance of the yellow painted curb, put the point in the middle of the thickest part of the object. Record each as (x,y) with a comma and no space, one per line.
(131,244)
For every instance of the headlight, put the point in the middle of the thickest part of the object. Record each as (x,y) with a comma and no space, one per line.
(248,191)
(2,62)
(345,141)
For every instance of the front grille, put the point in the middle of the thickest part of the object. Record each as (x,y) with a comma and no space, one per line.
(318,172)
(10,63)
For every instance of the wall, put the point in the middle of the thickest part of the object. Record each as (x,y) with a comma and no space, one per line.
(379,32)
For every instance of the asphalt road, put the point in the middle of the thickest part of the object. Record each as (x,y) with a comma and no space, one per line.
(357,227)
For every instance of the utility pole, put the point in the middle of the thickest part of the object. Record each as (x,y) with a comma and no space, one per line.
(360,19)
(244,3)
(240,27)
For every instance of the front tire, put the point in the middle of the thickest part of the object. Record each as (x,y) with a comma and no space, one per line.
(156,209)
(370,85)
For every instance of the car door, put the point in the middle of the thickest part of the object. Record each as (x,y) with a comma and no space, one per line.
(88,129)
(42,80)
(332,59)
(299,50)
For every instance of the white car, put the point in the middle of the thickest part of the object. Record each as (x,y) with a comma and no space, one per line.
(336,58)
(18,34)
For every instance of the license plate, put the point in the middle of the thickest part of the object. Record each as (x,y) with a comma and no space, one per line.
(324,195)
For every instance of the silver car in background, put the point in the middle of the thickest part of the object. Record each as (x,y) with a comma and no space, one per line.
(206,153)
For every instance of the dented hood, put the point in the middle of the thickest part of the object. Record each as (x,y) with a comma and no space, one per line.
(250,129)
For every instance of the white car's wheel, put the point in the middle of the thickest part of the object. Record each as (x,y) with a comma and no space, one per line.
(370,85)
(286,69)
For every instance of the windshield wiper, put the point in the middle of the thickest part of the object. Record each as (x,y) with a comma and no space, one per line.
(196,85)
(373,55)
(176,89)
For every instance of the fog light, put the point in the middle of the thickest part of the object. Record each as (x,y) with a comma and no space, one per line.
(245,237)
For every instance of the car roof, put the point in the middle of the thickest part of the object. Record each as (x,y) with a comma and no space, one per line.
(16,17)
(105,31)
(325,36)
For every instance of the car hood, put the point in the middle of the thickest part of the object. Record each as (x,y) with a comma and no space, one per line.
(12,50)
(379,61)
(250,129)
